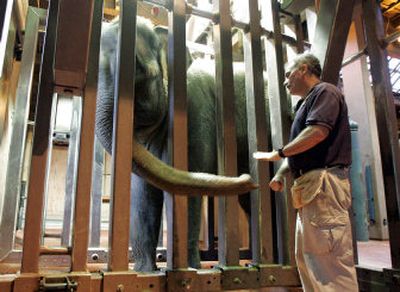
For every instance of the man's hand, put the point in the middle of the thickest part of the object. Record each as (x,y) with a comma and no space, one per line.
(276,184)
(267,156)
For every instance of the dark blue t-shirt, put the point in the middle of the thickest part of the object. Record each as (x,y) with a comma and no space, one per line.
(325,106)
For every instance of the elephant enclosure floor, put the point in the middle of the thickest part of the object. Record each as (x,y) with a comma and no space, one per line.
(371,254)
(374,254)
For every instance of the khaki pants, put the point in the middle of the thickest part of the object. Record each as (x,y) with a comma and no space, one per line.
(324,251)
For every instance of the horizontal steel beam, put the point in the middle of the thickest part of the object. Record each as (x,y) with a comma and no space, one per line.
(192,10)
(386,41)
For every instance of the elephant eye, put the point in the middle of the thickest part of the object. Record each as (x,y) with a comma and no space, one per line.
(140,71)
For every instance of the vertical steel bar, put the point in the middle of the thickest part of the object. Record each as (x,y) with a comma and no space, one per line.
(72,168)
(387,122)
(54,109)
(178,205)
(80,235)
(261,218)
(122,138)
(97,191)
(228,245)
(280,121)
(35,21)
(36,188)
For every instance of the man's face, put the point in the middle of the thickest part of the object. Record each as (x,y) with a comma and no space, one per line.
(294,80)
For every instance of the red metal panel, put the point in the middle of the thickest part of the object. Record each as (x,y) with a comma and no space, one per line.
(80,237)
(73,31)
(122,139)
(177,215)
(228,245)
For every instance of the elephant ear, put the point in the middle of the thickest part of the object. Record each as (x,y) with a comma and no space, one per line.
(148,49)
(162,33)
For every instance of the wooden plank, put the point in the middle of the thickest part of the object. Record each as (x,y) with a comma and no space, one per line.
(122,138)
(228,245)
(177,211)
(386,121)
(234,278)
(261,213)
(209,280)
(276,275)
(82,279)
(180,281)
(26,281)
(80,238)
(130,281)
(6,282)
(34,206)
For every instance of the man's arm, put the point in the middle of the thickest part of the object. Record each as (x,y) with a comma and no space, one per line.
(307,139)
(283,169)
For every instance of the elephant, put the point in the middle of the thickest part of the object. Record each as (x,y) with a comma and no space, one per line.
(150,140)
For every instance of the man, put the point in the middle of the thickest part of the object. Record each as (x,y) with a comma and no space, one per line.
(318,155)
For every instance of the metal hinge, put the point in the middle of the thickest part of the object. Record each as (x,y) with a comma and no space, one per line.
(52,283)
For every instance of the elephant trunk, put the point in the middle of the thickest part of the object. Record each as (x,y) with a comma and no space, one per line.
(181,182)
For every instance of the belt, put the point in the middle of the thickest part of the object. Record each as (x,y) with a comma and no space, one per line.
(299,172)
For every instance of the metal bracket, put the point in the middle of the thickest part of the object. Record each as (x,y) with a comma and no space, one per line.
(182,280)
(130,281)
(237,277)
(63,283)
(277,275)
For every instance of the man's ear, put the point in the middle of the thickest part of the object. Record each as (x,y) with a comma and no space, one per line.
(304,68)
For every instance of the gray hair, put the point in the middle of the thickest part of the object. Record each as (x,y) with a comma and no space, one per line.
(310,60)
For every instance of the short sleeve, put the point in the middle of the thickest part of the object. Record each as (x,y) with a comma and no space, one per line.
(324,109)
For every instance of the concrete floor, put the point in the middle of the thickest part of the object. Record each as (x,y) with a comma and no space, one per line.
(374,253)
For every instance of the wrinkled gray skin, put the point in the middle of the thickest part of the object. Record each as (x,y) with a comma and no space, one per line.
(151,112)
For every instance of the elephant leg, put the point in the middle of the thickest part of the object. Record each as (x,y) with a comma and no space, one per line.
(146,211)
(194,221)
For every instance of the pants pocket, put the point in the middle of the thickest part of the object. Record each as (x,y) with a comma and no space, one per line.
(307,187)
(320,240)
